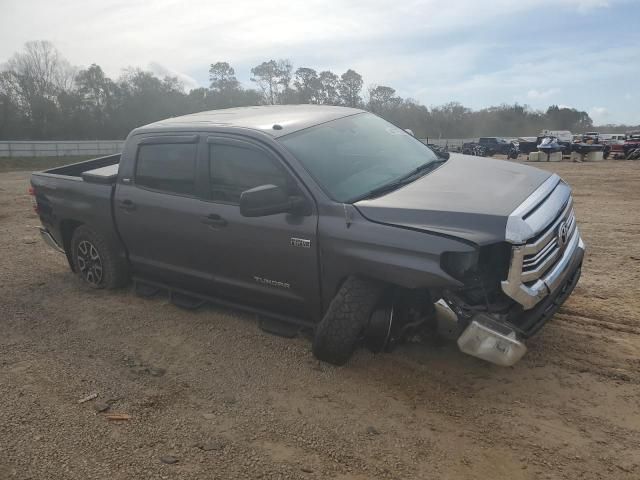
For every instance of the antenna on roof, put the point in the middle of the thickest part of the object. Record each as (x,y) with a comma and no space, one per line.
(277,126)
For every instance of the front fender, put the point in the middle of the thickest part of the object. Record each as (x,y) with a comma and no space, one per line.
(394,255)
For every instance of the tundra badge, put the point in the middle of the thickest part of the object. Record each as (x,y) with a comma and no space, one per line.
(272,283)
(300,242)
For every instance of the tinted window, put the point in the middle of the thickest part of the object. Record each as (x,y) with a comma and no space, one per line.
(234,169)
(167,167)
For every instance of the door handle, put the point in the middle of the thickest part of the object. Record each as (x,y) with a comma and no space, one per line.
(214,220)
(127,205)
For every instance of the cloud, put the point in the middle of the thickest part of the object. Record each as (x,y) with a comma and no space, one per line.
(584,6)
(125,32)
(161,71)
(479,53)
(598,114)
(538,95)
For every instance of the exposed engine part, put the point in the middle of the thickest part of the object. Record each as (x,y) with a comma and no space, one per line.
(448,325)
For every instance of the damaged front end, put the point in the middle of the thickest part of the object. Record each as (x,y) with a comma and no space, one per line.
(511,289)
(480,310)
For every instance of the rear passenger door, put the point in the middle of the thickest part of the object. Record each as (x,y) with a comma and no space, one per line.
(270,261)
(159,210)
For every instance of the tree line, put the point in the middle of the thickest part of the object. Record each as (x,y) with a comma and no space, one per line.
(42,96)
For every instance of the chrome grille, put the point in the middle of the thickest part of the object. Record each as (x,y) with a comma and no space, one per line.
(540,259)
(542,254)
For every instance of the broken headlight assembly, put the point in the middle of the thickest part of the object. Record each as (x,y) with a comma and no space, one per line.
(460,265)
(480,304)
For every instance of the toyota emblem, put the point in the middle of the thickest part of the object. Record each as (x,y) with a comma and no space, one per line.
(563,234)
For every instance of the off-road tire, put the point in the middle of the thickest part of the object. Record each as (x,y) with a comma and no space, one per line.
(338,333)
(114,268)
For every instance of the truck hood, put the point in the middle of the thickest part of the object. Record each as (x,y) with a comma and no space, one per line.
(467,197)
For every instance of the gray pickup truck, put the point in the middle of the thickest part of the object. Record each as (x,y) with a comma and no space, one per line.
(323,217)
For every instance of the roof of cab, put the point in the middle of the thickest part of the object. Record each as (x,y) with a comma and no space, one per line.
(275,120)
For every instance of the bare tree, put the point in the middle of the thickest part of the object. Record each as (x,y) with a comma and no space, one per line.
(36,77)
(41,69)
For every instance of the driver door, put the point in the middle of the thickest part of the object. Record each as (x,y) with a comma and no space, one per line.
(269,261)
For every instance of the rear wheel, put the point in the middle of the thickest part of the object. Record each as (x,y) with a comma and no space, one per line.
(96,262)
(340,330)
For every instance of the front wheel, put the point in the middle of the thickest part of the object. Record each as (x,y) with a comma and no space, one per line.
(340,330)
(95,261)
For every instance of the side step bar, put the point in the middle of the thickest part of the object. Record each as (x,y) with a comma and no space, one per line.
(179,297)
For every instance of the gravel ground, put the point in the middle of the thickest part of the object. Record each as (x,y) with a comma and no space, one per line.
(209,395)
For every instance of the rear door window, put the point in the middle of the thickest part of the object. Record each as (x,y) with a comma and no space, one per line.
(167,167)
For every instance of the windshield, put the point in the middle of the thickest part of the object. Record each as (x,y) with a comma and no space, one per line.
(353,155)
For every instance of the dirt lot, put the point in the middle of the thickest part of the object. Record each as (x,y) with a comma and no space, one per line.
(227,400)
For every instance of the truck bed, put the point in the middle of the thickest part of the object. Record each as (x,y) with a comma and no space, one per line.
(82,192)
(97,170)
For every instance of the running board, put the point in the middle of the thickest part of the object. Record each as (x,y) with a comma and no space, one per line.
(188,302)
(145,290)
(200,299)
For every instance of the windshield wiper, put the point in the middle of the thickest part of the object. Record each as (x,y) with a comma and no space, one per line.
(404,180)
(428,166)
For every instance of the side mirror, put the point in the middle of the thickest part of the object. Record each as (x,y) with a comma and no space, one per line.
(410,132)
(269,200)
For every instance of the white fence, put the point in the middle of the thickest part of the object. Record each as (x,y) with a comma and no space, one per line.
(71,148)
(68,148)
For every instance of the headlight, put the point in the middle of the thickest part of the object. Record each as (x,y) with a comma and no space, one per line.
(489,340)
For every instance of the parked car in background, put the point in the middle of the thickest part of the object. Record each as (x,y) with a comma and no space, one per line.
(489,146)
(324,217)
(497,145)
(615,141)
(612,138)
(526,145)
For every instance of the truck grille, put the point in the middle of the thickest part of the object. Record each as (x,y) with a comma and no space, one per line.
(542,253)
(545,238)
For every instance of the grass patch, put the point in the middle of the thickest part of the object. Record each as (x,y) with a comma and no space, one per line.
(36,164)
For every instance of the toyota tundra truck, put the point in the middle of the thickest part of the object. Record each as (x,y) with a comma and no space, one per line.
(322,217)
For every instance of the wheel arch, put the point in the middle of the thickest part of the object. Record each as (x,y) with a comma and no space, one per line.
(67,227)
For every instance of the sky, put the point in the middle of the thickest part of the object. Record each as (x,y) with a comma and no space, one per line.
(584,54)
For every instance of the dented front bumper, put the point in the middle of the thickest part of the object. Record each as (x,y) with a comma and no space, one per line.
(500,340)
